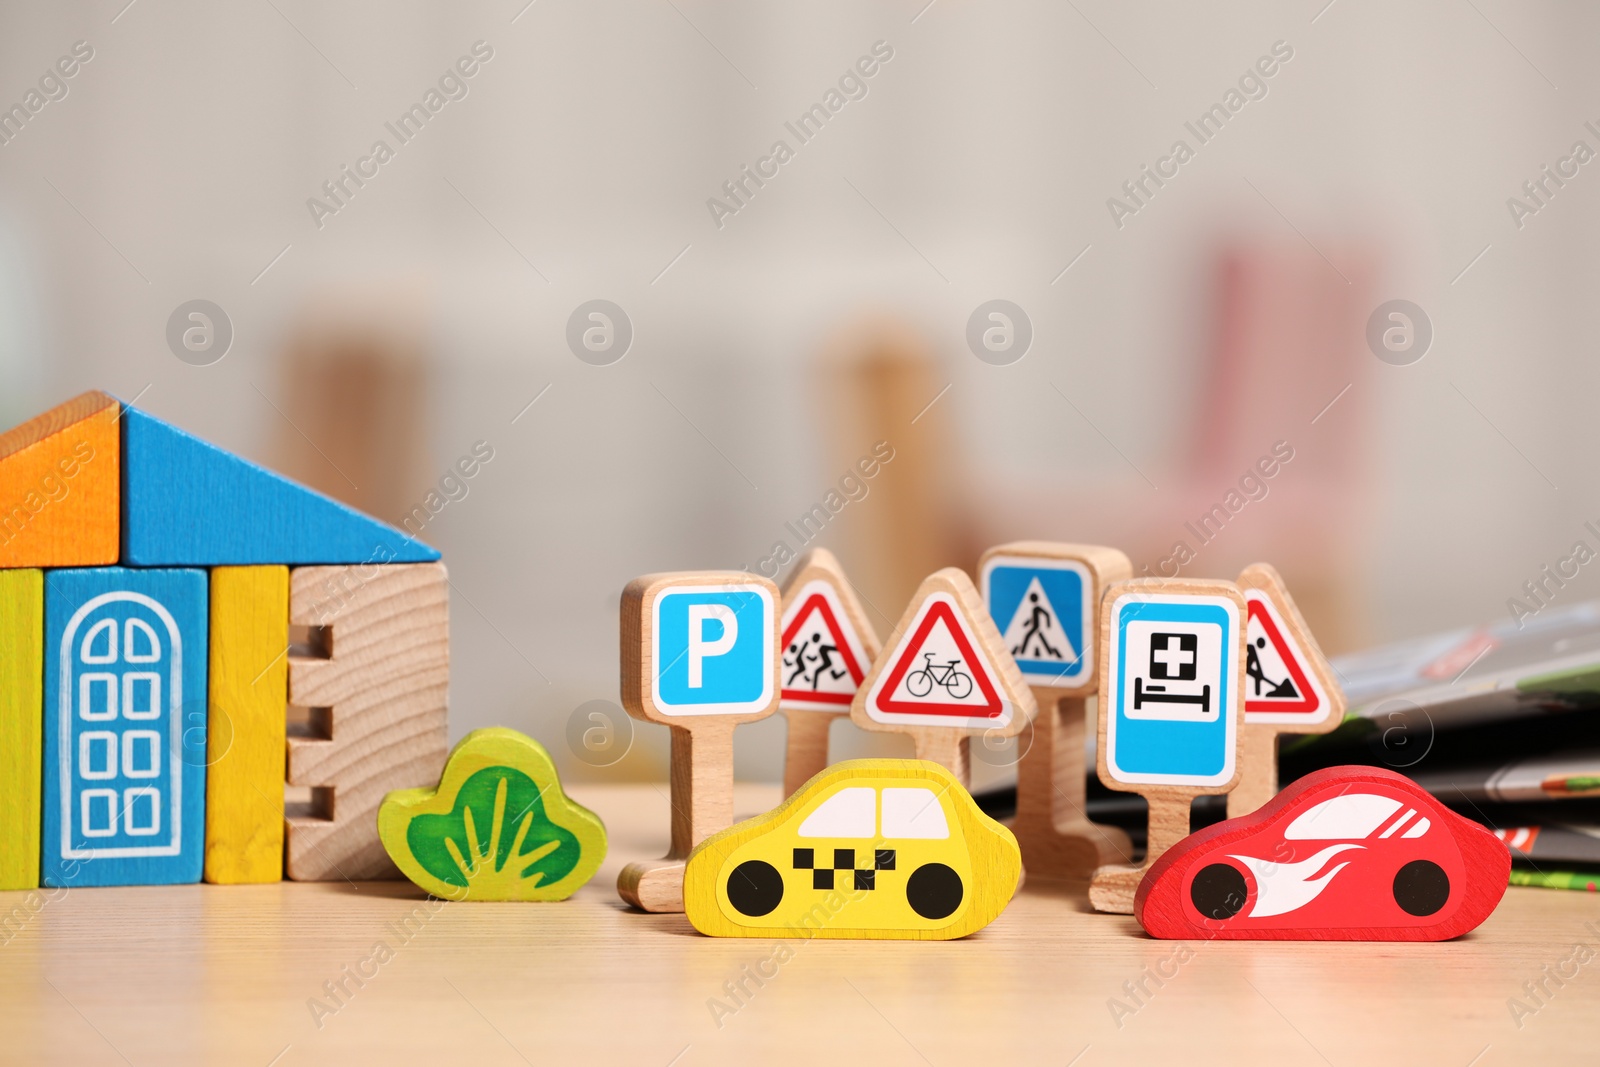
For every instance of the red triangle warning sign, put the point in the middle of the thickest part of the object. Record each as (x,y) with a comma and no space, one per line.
(824,660)
(945,670)
(1274,679)
(1286,679)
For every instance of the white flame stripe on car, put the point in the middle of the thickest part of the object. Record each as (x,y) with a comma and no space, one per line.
(1285,887)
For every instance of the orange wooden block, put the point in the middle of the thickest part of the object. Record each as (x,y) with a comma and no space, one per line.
(61,486)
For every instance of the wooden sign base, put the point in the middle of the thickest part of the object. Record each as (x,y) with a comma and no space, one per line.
(805,754)
(1301,669)
(702,804)
(832,645)
(1258,755)
(1113,887)
(1058,841)
(950,749)
(942,728)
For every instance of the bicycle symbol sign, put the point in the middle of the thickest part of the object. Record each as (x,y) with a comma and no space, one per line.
(938,675)
(957,683)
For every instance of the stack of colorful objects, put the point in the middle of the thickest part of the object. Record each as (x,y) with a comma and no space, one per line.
(148,585)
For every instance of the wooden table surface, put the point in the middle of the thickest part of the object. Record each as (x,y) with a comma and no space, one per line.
(231,975)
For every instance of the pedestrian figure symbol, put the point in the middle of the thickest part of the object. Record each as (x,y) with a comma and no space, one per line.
(1039,620)
(1036,634)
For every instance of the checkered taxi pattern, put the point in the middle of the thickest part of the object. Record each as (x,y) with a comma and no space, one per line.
(844,861)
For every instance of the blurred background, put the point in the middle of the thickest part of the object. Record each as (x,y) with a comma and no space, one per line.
(1171,318)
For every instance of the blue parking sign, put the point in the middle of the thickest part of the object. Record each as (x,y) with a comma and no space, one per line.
(1044,611)
(1172,667)
(712,651)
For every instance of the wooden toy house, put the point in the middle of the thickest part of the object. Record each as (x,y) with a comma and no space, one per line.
(149,582)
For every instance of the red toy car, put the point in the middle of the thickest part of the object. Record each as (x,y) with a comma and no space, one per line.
(1344,854)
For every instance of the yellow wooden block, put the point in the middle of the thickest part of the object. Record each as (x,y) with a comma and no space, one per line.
(870,848)
(61,486)
(499,827)
(245,743)
(21,725)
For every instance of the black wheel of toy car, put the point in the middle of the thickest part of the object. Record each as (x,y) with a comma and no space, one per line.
(755,887)
(1218,891)
(934,891)
(1421,887)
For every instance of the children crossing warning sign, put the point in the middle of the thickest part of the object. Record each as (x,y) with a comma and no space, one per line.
(824,659)
(940,674)
(1280,685)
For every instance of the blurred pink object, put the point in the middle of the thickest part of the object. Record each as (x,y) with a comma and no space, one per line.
(1282,389)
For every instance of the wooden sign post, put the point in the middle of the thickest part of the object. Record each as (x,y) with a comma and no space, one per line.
(1171,675)
(700,655)
(827,647)
(945,675)
(1289,686)
(1043,598)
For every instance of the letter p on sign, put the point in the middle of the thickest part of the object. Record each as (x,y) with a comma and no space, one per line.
(699,647)
(713,649)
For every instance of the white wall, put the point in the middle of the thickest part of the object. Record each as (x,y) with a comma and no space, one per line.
(188,146)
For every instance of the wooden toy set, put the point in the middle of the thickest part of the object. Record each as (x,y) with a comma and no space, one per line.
(167,610)
(1195,680)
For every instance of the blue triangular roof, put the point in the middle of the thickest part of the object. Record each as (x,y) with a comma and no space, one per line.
(189,503)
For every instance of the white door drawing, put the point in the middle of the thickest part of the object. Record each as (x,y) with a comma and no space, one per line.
(120,729)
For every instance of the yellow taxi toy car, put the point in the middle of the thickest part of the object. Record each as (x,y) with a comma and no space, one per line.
(873,848)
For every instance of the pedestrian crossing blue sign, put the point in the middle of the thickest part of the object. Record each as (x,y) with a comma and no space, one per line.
(1043,609)
(713,649)
(1173,662)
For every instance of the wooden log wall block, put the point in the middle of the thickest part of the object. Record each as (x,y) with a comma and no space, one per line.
(379,705)
(246,739)
(21,725)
